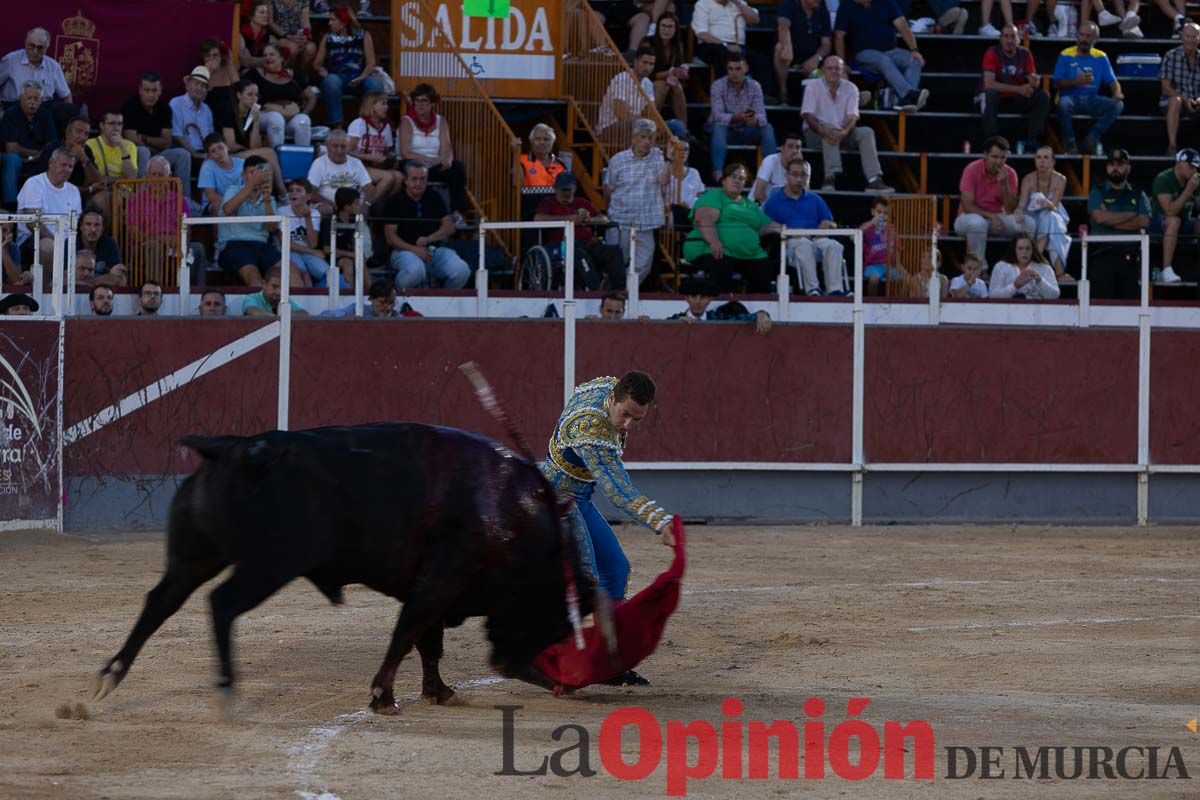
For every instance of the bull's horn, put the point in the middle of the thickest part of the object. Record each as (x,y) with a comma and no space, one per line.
(603,615)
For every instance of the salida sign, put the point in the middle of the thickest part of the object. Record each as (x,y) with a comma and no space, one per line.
(513,56)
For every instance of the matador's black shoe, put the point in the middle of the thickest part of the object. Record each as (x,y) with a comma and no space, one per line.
(629,678)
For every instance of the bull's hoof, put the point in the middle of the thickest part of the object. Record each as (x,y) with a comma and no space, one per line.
(387,708)
(443,696)
(106,680)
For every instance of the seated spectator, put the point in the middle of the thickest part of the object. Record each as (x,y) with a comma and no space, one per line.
(803,37)
(727,237)
(219,172)
(285,105)
(32,64)
(796,207)
(48,193)
(100,298)
(108,268)
(597,265)
(1041,199)
(239,124)
(670,74)
(337,169)
(612,305)
(831,122)
(928,275)
(304,224)
(1116,207)
(880,253)
(626,99)
(680,195)
(989,199)
(26,129)
(18,304)
(86,176)
(292,27)
(540,167)
(10,259)
(347,207)
(1024,273)
(255,32)
(212,303)
(114,156)
(699,294)
(1180,80)
(345,62)
(720,29)
(636,15)
(1010,80)
(633,190)
(871,27)
(419,224)
(986,28)
(148,125)
(1173,206)
(1126,16)
(1078,76)
(952,18)
(738,114)
(150,298)
(222,75)
(245,248)
(85,269)
(381,302)
(424,136)
(371,142)
(265,302)
(191,118)
(772,172)
(970,284)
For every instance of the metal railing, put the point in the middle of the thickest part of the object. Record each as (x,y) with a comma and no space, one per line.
(145,223)
(62,266)
(483,141)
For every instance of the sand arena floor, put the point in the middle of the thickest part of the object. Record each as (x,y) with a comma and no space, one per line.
(997,636)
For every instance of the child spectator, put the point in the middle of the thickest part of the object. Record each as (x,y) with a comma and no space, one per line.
(879,245)
(970,284)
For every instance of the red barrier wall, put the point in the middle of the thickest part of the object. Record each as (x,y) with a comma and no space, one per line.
(1174,392)
(973,395)
(725,393)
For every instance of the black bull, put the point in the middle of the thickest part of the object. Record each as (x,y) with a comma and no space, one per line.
(447,522)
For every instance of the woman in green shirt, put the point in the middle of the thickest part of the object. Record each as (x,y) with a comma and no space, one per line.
(727,235)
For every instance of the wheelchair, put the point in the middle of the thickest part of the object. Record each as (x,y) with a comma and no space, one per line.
(543,268)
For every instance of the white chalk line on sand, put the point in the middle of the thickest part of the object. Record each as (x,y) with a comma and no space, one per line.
(304,756)
(931,583)
(1041,623)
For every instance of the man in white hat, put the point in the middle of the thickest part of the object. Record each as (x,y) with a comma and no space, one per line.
(191,118)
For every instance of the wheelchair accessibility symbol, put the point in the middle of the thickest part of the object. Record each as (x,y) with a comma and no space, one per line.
(476,67)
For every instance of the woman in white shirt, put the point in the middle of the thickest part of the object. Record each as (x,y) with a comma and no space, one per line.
(425,137)
(1041,199)
(1025,272)
(372,143)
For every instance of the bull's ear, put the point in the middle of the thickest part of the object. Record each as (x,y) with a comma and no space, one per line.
(211,447)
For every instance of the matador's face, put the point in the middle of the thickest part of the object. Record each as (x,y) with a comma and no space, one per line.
(627,413)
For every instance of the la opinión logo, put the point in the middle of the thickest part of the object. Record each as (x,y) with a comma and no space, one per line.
(735,749)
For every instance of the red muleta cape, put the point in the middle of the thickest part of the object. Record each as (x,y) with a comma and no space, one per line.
(639,623)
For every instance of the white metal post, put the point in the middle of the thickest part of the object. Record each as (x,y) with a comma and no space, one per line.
(569,313)
(632,287)
(360,263)
(782,281)
(56,270)
(39,278)
(1143,422)
(285,323)
(185,272)
(332,281)
(1085,288)
(69,269)
(856,429)
(481,275)
(934,289)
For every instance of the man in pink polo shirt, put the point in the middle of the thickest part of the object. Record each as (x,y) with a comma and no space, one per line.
(989,198)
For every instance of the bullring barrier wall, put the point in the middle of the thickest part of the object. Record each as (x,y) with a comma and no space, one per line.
(747,427)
